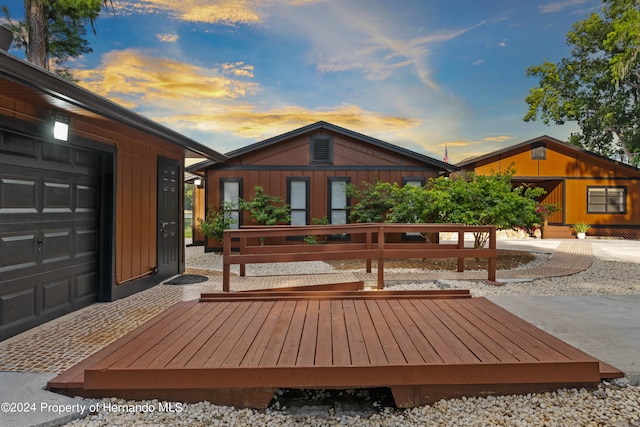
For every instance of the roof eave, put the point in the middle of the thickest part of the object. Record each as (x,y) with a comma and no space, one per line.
(46,82)
(543,138)
(471,160)
(328,126)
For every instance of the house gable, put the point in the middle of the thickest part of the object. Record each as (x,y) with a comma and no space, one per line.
(342,147)
(339,150)
(587,187)
(308,167)
(560,160)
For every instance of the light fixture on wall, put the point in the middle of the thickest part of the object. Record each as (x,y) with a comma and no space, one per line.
(197,182)
(60,127)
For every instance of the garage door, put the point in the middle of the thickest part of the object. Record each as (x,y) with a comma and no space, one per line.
(49,223)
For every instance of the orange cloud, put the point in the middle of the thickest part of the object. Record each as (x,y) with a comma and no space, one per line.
(248,121)
(238,69)
(499,138)
(186,98)
(208,11)
(455,144)
(134,78)
(167,38)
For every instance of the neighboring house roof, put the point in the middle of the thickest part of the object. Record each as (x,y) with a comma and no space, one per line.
(545,138)
(77,100)
(337,129)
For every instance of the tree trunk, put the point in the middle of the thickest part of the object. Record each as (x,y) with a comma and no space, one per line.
(37,23)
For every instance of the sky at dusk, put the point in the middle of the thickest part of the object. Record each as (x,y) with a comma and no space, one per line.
(420,74)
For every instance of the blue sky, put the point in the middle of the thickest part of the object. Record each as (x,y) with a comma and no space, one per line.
(421,74)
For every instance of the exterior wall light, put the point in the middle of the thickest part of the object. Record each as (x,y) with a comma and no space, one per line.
(61,127)
(197,182)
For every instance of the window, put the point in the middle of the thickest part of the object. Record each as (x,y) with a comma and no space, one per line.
(321,149)
(338,204)
(416,181)
(231,192)
(606,199)
(298,199)
(538,151)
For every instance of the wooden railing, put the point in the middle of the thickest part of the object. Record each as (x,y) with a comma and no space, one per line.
(371,246)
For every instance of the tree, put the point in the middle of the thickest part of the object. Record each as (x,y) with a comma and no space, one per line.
(373,201)
(598,86)
(470,200)
(188,196)
(624,39)
(483,200)
(216,222)
(55,30)
(266,209)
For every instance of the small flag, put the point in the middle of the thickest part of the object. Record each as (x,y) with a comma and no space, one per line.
(446,154)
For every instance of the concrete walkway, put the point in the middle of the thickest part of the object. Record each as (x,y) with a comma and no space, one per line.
(606,327)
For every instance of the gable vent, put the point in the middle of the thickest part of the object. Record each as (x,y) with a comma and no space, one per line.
(321,150)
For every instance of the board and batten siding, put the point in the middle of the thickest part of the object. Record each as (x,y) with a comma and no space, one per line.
(136,183)
(136,193)
(567,173)
(275,182)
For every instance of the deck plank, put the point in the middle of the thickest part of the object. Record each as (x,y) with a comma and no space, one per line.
(260,343)
(278,336)
(487,325)
(186,330)
(238,351)
(236,333)
(395,337)
(375,352)
(291,345)
(183,347)
(219,337)
(143,343)
(448,342)
(422,344)
(307,352)
(565,350)
(74,376)
(324,340)
(467,333)
(243,343)
(357,347)
(486,336)
(504,322)
(197,352)
(435,334)
(340,343)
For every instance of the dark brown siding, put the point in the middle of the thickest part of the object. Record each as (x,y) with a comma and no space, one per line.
(274,183)
(346,151)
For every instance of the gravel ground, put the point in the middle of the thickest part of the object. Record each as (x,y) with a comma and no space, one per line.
(612,404)
(602,278)
(615,405)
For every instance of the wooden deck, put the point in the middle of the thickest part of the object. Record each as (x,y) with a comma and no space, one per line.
(238,348)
